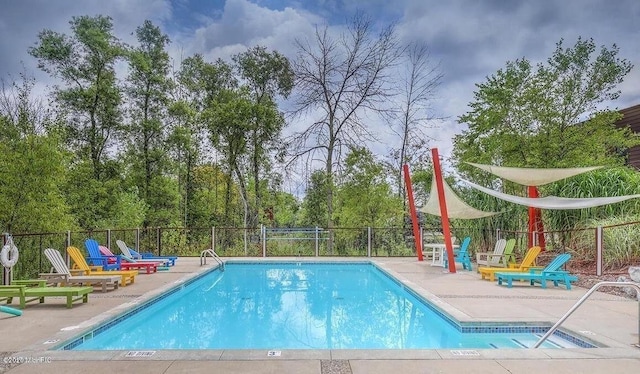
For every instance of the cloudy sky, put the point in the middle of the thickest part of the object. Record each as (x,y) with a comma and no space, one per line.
(469,40)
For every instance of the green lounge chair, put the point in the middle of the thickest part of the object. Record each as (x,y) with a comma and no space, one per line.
(27,291)
(551,272)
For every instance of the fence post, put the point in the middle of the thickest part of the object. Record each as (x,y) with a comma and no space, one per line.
(109,238)
(213,238)
(137,240)
(244,238)
(317,243)
(263,230)
(535,238)
(6,276)
(159,241)
(68,244)
(599,250)
(368,241)
(422,236)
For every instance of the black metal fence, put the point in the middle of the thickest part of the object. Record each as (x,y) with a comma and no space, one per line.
(613,244)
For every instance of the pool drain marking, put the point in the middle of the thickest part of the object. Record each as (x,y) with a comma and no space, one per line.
(69,328)
(465,352)
(140,353)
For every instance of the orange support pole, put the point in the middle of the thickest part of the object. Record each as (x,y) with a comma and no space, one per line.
(444,216)
(412,209)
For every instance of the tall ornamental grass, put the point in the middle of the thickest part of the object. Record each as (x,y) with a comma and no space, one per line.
(610,182)
(621,242)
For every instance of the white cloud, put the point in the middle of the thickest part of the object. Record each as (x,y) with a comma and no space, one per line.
(243,25)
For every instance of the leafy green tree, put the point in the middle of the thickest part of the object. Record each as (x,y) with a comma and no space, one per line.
(199,82)
(267,75)
(229,121)
(314,205)
(184,149)
(32,163)
(148,87)
(284,208)
(209,207)
(364,195)
(32,172)
(547,115)
(85,62)
(544,116)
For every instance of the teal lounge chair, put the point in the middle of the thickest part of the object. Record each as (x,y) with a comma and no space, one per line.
(551,272)
(462,256)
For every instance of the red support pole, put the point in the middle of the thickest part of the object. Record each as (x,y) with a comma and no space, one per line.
(535,220)
(532,191)
(412,209)
(444,216)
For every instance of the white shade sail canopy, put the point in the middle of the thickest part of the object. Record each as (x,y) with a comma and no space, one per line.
(456,208)
(532,176)
(553,202)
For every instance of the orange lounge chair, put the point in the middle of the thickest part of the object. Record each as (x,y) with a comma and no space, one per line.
(528,262)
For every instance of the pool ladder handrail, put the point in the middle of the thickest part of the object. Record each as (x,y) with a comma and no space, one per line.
(213,254)
(583,299)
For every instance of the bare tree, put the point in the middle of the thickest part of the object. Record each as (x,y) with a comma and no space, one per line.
(28,114)
(419,84)
(340,81)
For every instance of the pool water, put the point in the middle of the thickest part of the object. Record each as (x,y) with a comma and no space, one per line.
(296,306)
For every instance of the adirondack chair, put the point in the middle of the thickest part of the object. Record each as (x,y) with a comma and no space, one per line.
(492,258)
(98,259)
(462,256)
(131,253)
(528,262)
(126,276)
(65,276)
(508,257)
(551,272)
(127,263)
(497,258)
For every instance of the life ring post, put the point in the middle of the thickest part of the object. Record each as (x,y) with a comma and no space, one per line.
(8,258)
(9,255)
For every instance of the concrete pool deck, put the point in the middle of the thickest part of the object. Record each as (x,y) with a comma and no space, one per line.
(608,320)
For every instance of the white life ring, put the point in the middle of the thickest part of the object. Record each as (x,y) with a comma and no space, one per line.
(7,260)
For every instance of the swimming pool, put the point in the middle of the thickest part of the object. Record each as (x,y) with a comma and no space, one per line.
(287,305)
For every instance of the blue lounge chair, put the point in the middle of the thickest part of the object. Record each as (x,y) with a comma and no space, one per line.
(551,272)
(462,256)
(96,258)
